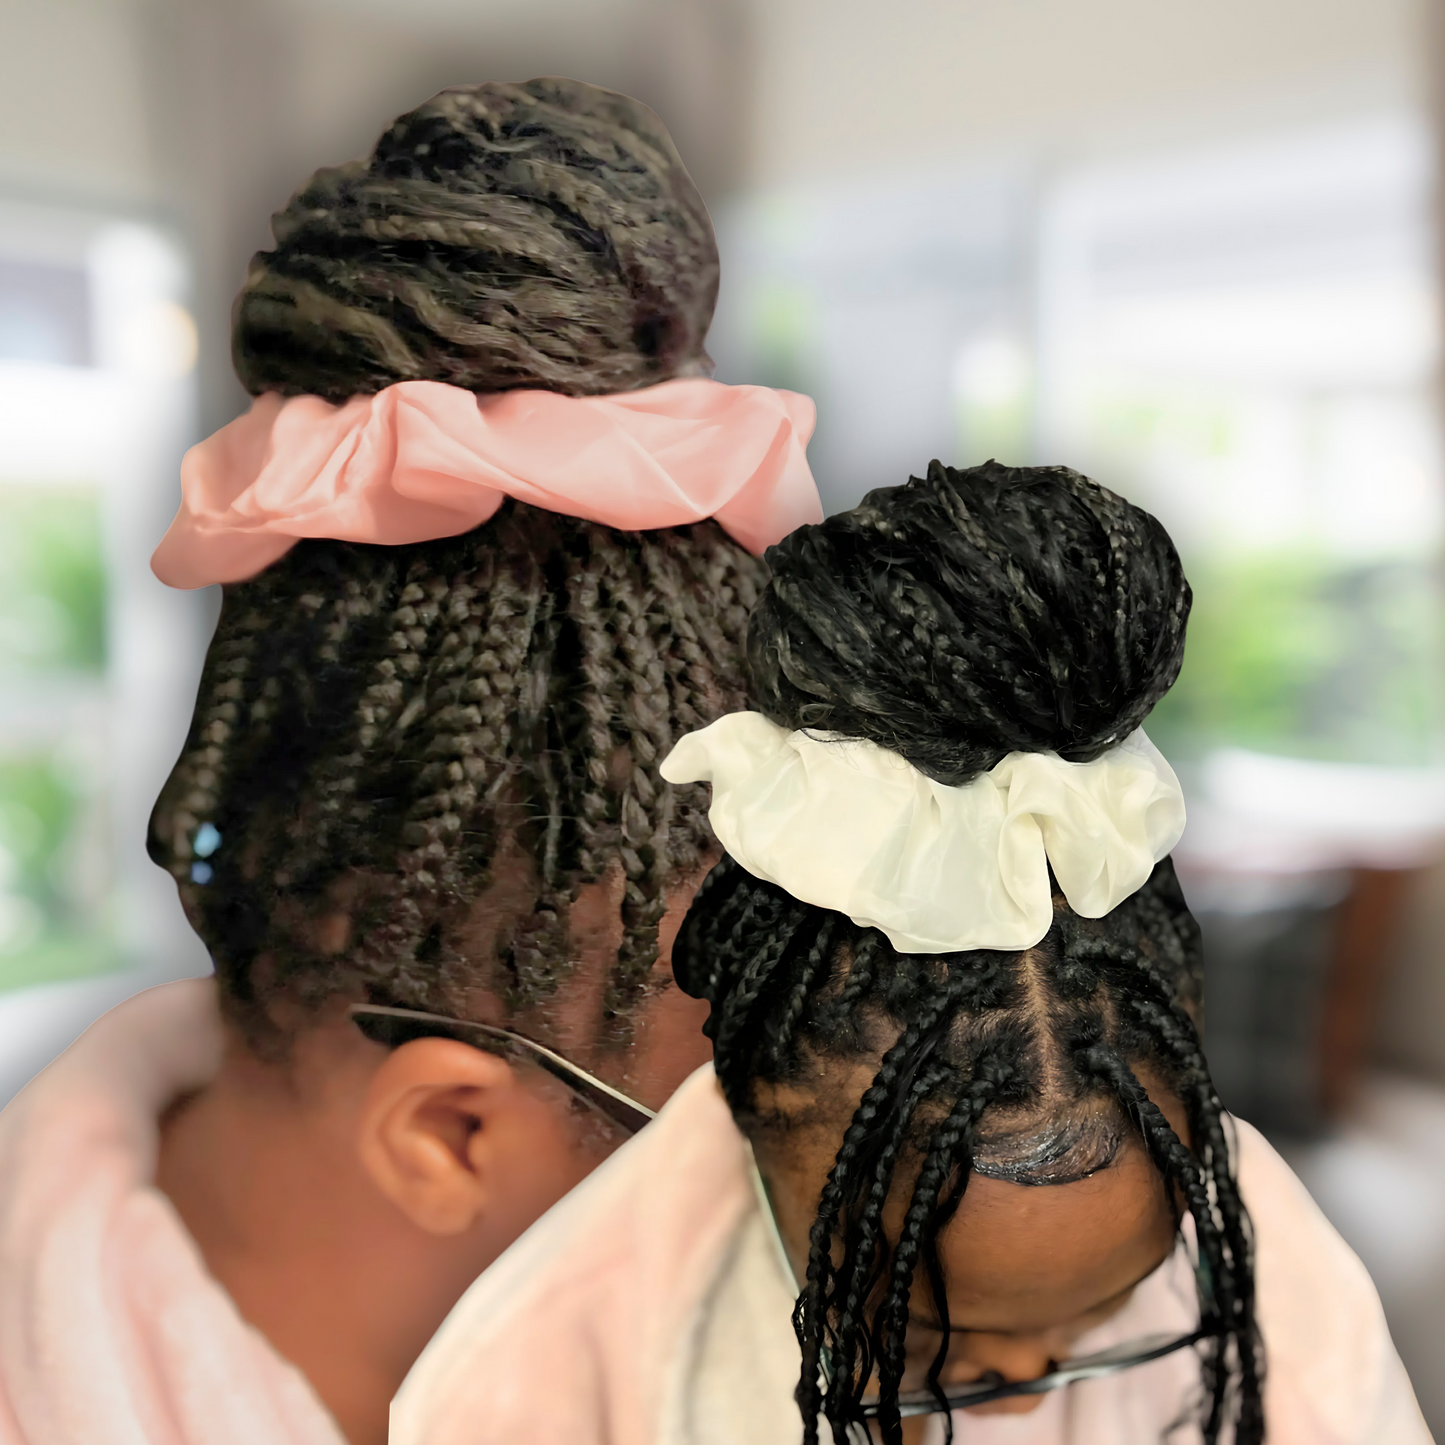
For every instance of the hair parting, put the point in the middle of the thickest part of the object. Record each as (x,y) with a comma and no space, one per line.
(964,616)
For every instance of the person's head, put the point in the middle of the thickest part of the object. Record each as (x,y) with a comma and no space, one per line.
(974,1155)
(424,776)
(543,234)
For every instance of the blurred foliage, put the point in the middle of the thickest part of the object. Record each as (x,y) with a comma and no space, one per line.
(1290,652)
(1194,425)
(1001,433)
(58,956)
(52,831)
(36,813)
(784,322)
(50,926)
(52,579)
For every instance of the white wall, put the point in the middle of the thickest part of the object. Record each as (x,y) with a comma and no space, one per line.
(844,85)
(72,108)
(834,84)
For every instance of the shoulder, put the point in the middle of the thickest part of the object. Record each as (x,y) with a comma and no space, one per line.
(1333,1376)
(85,1126)
(568,1338)
(737,1378)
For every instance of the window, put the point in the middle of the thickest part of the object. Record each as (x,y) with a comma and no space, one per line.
(1242,341)
(96,403)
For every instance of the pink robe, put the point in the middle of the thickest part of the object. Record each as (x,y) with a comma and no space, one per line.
(650,1308)
(111,1330)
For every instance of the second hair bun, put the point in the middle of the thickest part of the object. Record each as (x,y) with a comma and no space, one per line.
(971,614)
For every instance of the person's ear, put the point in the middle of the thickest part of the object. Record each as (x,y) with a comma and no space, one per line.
(428,1132)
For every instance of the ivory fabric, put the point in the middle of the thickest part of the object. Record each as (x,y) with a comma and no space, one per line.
(422,459)
(649,1308)
(848,825)
(111,1330)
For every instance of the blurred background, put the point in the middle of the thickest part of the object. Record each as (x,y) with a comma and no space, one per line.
(1191,250)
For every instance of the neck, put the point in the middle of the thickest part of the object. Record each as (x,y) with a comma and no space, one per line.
(328,1270)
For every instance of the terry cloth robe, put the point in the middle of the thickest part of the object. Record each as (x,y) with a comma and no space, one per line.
(111,1330)
(650,1307)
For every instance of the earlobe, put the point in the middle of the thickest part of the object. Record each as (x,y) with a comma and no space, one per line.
(424,1135)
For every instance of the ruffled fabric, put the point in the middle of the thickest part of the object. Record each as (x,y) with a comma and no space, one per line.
(421,460)
(848,825)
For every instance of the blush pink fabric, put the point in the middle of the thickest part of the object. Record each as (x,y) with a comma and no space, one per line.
(648,1308)
(111,1330)
(421,460)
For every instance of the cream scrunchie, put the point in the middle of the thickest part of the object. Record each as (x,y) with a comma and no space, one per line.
(850,826)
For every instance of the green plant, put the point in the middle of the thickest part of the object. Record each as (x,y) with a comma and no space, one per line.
(52,579)
(1291,651)
(48,928)
(52,636)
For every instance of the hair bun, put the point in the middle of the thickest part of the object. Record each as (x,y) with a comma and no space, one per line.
(972,614)
(543,234)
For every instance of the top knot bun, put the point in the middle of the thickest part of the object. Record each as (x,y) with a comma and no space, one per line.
(973,614)
(542,235)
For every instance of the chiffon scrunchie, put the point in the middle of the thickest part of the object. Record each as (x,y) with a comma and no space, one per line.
(421,459)
(851,826)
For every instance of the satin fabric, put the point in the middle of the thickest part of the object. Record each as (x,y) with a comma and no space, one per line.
(850,826)
(421,460)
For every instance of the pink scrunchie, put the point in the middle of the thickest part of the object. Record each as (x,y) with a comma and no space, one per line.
(422,459)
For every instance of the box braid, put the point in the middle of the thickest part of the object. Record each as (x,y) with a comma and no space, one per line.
(954,620)
(395,719)
(541,234)
(972,614)
(380,731)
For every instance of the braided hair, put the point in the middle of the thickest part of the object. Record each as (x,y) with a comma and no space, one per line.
(398,734)
(542,234)
(954,620)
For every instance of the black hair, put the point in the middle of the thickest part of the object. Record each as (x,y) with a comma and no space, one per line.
(954,620)
(543,234)
(401,734)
